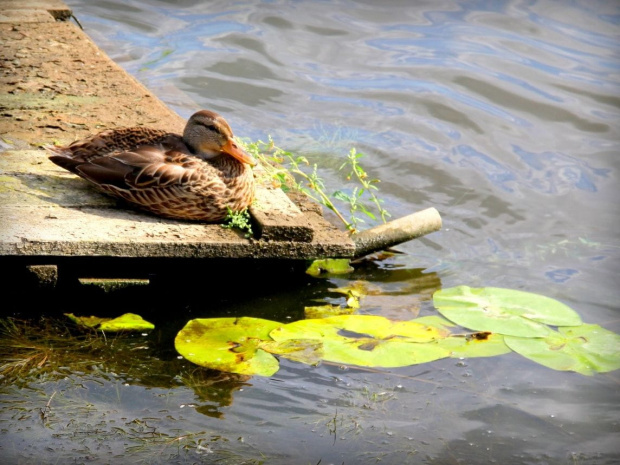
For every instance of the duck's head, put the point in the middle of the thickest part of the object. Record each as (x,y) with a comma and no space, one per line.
(208,135)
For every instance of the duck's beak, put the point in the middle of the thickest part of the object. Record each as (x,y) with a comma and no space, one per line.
(232,149)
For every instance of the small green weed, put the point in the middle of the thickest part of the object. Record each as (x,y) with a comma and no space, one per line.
(240,220)
(368,186)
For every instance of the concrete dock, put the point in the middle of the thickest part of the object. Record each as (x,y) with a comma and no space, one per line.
(57,86)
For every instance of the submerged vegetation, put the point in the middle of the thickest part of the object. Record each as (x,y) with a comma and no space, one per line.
(53,348)
(76,382)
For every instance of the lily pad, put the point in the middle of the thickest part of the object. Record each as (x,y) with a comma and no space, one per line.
(229,344)
(308,351)
(368,340)
(355,292)
(475,345)
(504,311)
(585,349)
(324,311)
(329,266)
(355,289)
(86,321)
(436,321)
(482,344)
(126,322)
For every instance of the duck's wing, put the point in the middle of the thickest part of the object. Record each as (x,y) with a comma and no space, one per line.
(146,167)
(118,157)
(173,185)
(117,140)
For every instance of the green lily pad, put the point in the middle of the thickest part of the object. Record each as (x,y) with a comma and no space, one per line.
(229,344)
(585,349)
(126,322)
(504,311)
(329,266)
(368,340)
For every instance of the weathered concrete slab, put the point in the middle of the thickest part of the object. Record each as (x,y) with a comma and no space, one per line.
(26,11)
(46,211)
(34,16)
(56,86)
(68,232)
(278,218)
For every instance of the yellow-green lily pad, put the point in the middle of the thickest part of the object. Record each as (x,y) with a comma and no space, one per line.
(325,311)
(329,266)
(355,292)
(126,322)
(436,321)
(229,344)
(503,311)
(368,340)
(86,321)
(308,351)
(585,349)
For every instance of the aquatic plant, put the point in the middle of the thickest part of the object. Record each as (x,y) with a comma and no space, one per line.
(368,186)
(47,347)
(493,321)
(52,348)
(287,171)
(473,322)
(330,266)
(126,322)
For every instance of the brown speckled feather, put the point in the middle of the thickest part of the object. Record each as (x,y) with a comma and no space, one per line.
(195,177)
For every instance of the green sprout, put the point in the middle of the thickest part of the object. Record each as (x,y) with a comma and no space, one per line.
(368,186)
(240,220)
(287,169)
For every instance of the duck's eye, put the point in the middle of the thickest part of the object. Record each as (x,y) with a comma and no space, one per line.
(209,126)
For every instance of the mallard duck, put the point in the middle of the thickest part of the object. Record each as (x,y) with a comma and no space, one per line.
(197,176)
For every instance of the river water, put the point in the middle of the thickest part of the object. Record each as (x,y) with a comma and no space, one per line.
(501,114)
